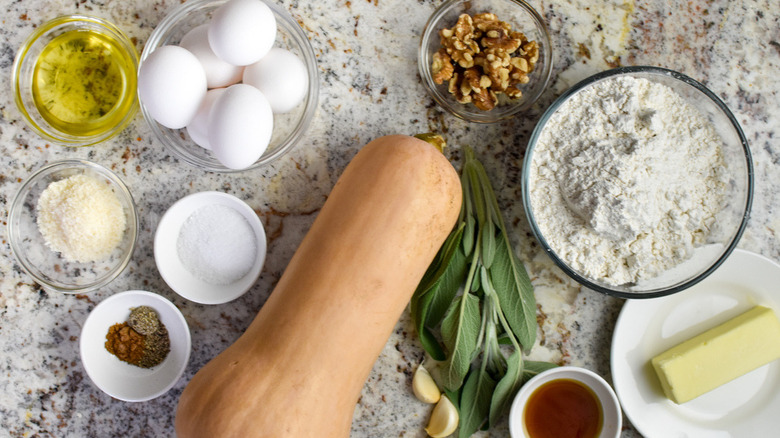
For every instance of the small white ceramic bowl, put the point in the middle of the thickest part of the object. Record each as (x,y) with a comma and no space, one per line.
(612,415)
(173,271)
(122,380)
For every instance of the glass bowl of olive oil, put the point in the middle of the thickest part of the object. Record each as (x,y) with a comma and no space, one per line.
(74,80)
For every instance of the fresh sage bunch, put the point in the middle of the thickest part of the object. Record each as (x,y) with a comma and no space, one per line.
(475,311)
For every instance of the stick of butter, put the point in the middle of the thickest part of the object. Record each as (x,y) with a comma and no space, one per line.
(719,355)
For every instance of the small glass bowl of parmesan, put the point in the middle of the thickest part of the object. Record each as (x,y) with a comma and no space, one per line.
(73,226)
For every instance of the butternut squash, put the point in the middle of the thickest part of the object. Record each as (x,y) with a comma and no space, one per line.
(299,368)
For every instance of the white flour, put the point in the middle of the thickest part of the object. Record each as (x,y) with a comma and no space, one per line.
(626,180)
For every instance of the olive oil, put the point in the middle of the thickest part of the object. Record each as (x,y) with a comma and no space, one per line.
(83,83)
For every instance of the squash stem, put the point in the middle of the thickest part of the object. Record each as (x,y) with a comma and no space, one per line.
(434,139)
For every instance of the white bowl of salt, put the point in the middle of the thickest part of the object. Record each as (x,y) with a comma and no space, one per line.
(210,247)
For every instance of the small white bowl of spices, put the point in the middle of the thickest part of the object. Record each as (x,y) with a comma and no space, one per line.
(135,345)
(210,247)
(72,226)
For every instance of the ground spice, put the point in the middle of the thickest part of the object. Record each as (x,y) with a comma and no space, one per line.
(157,347)
(125,343)
(144,320)
(142,340)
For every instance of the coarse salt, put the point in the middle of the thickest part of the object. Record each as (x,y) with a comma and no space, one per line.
(217,245)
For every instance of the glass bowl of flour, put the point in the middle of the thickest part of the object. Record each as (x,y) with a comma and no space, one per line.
(638,182)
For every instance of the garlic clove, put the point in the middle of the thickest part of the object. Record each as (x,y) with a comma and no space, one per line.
(444,419)
(424,387)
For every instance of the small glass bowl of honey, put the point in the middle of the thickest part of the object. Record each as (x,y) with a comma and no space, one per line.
(566,402)
(74,80)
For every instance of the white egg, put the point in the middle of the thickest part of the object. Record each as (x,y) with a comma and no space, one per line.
(198,127)
(281,76)
(242,31)
(240,126)
(171,85)
(218,72)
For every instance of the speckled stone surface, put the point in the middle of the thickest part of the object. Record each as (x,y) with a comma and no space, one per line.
(366,52)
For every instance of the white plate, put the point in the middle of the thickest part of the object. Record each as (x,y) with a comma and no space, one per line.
(171,268)
(122,380)
(748,406)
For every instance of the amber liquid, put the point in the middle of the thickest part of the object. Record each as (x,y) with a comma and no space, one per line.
(563,408)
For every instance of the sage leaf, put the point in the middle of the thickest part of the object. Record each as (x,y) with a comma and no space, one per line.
(506,388)
(437,290)
(445,290)
(475,402)
(532,368)
(515,294)
(471,173)
(488,245)
(491,202)
(469,235)
(419,306)
(476,284)
(467,208)
(442,259)
(430,343)
(459,331)
(504,340)
(448,279)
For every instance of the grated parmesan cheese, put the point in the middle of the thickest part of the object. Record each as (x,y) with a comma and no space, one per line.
(81,218)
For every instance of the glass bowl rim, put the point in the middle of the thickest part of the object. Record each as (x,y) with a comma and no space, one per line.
(423,66)
(310,102)
(627,70)
(17,207)
(59,137)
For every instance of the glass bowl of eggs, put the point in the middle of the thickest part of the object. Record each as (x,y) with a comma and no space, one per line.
(228,85)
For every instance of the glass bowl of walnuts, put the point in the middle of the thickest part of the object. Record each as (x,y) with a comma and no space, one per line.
(485,60)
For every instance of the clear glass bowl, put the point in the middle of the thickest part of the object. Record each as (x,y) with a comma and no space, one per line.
(288,128)
(47,267)
(522,17)
(731,220)
(125,60)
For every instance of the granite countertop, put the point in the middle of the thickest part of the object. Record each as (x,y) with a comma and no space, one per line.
(366,51)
